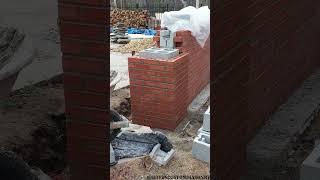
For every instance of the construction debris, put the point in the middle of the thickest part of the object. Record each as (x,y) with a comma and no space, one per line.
(136,45)
(129,18)
(201,144)
(161,157)
(131,144)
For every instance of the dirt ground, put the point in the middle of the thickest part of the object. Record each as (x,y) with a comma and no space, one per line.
(298,152)
(31,126)
(301,149)
(183,163)
(120,101)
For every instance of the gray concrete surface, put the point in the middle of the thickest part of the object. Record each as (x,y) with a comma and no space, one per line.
(119,63)
(196,107)
(310,169)
(159,53)
(38,19)
(269,149)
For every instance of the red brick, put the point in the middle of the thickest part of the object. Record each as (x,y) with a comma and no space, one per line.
(86,99)
(84,65)
(98,145)
(91,115)
(84,14)
(99,3)
(78,128)
(83,31)
(83,48)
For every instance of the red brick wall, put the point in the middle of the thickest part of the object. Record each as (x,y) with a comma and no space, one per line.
(262,51)
(83,44)
(162,90)
(156,89)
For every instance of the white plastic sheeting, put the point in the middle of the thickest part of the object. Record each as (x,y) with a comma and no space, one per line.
(189,18)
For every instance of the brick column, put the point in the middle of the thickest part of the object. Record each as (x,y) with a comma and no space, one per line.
(162,90)
(158,91)
(83,25)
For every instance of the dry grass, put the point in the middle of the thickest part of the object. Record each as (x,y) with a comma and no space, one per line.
(135,45)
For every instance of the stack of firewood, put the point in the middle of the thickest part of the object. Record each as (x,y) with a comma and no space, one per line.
(129,18)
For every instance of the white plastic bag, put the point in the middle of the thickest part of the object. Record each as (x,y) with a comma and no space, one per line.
(189,18)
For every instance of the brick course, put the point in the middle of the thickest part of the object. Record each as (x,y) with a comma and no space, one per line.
(83,27)
(262,52)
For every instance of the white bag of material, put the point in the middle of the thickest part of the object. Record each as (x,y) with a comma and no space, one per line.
(189,18)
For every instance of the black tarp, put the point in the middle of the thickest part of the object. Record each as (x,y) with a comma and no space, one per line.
(129,144)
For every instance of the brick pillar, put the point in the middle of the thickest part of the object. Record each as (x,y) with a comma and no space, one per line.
(157,88)
(162,90)
(83,25)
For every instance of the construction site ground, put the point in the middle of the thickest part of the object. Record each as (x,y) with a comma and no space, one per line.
(33,127)
(182,163)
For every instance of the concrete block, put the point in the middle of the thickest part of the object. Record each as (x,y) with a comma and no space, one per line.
(112,156)
(159,53)
(201,130)
(161,157)
(197,107)
(166,39)
(206,120)
(310,169)
(201,147)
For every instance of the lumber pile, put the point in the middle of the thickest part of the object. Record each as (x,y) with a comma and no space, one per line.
(129,18)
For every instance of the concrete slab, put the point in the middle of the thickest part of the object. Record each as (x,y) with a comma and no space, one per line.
(310,169)
(119,63)
(269,149)
(159,53)
(195,109)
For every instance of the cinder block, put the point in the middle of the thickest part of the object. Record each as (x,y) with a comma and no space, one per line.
(310,169)
(159,53)
(201,131)
(161,157)
(201,147)
(166,39)
(112,156)
(206,120)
